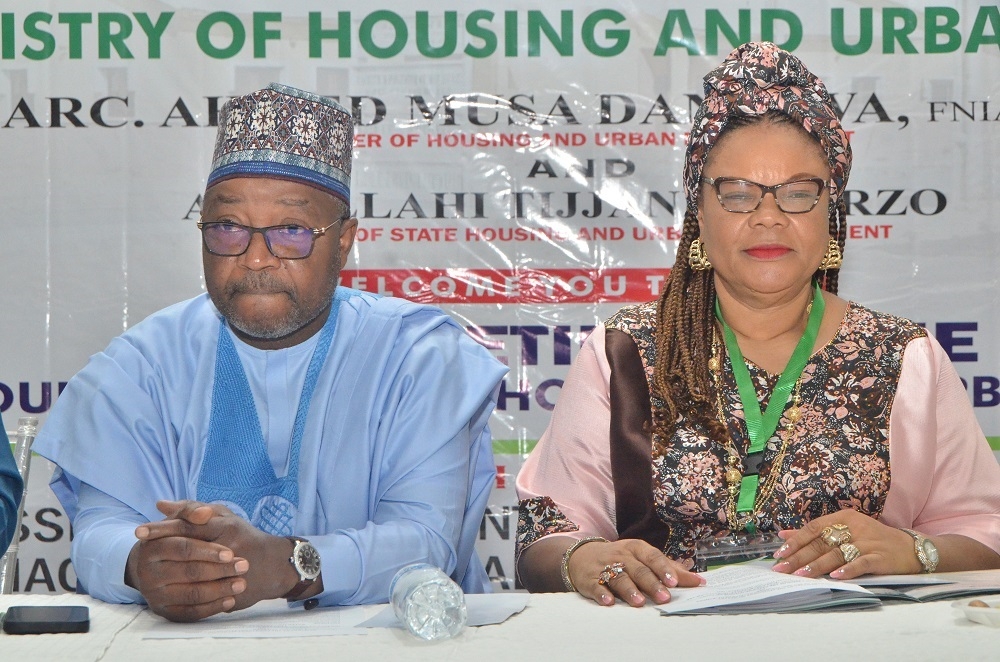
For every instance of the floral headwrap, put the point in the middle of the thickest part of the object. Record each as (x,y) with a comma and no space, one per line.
(756,78)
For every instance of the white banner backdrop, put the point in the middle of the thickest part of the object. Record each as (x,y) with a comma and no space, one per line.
(518,165)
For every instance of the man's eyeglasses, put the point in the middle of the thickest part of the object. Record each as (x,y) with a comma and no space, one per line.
(286,242)
(742,196)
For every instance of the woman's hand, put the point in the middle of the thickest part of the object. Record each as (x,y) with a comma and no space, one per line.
(646,572)
(881,549)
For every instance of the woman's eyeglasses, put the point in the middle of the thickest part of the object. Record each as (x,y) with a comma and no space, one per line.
(742,196)
(286,242)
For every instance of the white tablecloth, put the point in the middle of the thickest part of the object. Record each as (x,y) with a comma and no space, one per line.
(553,627)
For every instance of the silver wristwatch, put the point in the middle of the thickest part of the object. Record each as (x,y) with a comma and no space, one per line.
(306,562)
(927,552)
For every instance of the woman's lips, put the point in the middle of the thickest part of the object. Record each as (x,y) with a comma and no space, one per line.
(770,252)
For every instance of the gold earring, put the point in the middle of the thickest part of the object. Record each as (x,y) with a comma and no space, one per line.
(833,258)
(697,258)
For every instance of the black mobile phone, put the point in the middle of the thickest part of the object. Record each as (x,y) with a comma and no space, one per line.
(47,619)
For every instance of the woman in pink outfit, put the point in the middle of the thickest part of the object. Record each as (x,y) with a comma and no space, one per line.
(750,398)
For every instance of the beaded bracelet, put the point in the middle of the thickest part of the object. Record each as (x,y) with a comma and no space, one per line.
(564,568)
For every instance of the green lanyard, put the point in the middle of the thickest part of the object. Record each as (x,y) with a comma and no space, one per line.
(761,427)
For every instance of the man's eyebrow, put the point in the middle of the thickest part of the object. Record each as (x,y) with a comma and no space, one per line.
(229,199)
(294,202)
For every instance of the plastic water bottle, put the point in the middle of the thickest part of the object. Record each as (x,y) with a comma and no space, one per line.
(428,602)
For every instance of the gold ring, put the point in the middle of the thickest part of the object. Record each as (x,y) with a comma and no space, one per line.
(610,573)
(850,552)
(836,535)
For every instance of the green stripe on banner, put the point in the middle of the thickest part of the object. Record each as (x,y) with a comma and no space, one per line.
(513,446)
(994,443)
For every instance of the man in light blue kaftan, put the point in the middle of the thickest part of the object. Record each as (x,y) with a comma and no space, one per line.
(334,421)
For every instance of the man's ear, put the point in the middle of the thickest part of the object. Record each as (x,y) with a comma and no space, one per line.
(348,230)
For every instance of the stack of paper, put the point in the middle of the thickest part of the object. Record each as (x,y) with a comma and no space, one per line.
(752,589)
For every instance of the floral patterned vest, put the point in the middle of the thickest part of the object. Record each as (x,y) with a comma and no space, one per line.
(837,456)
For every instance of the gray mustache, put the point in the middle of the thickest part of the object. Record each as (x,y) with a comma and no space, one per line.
(259,283)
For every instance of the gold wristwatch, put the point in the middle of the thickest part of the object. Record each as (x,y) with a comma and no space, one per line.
(927,552)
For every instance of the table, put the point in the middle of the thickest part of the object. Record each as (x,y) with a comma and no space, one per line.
(553,627)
